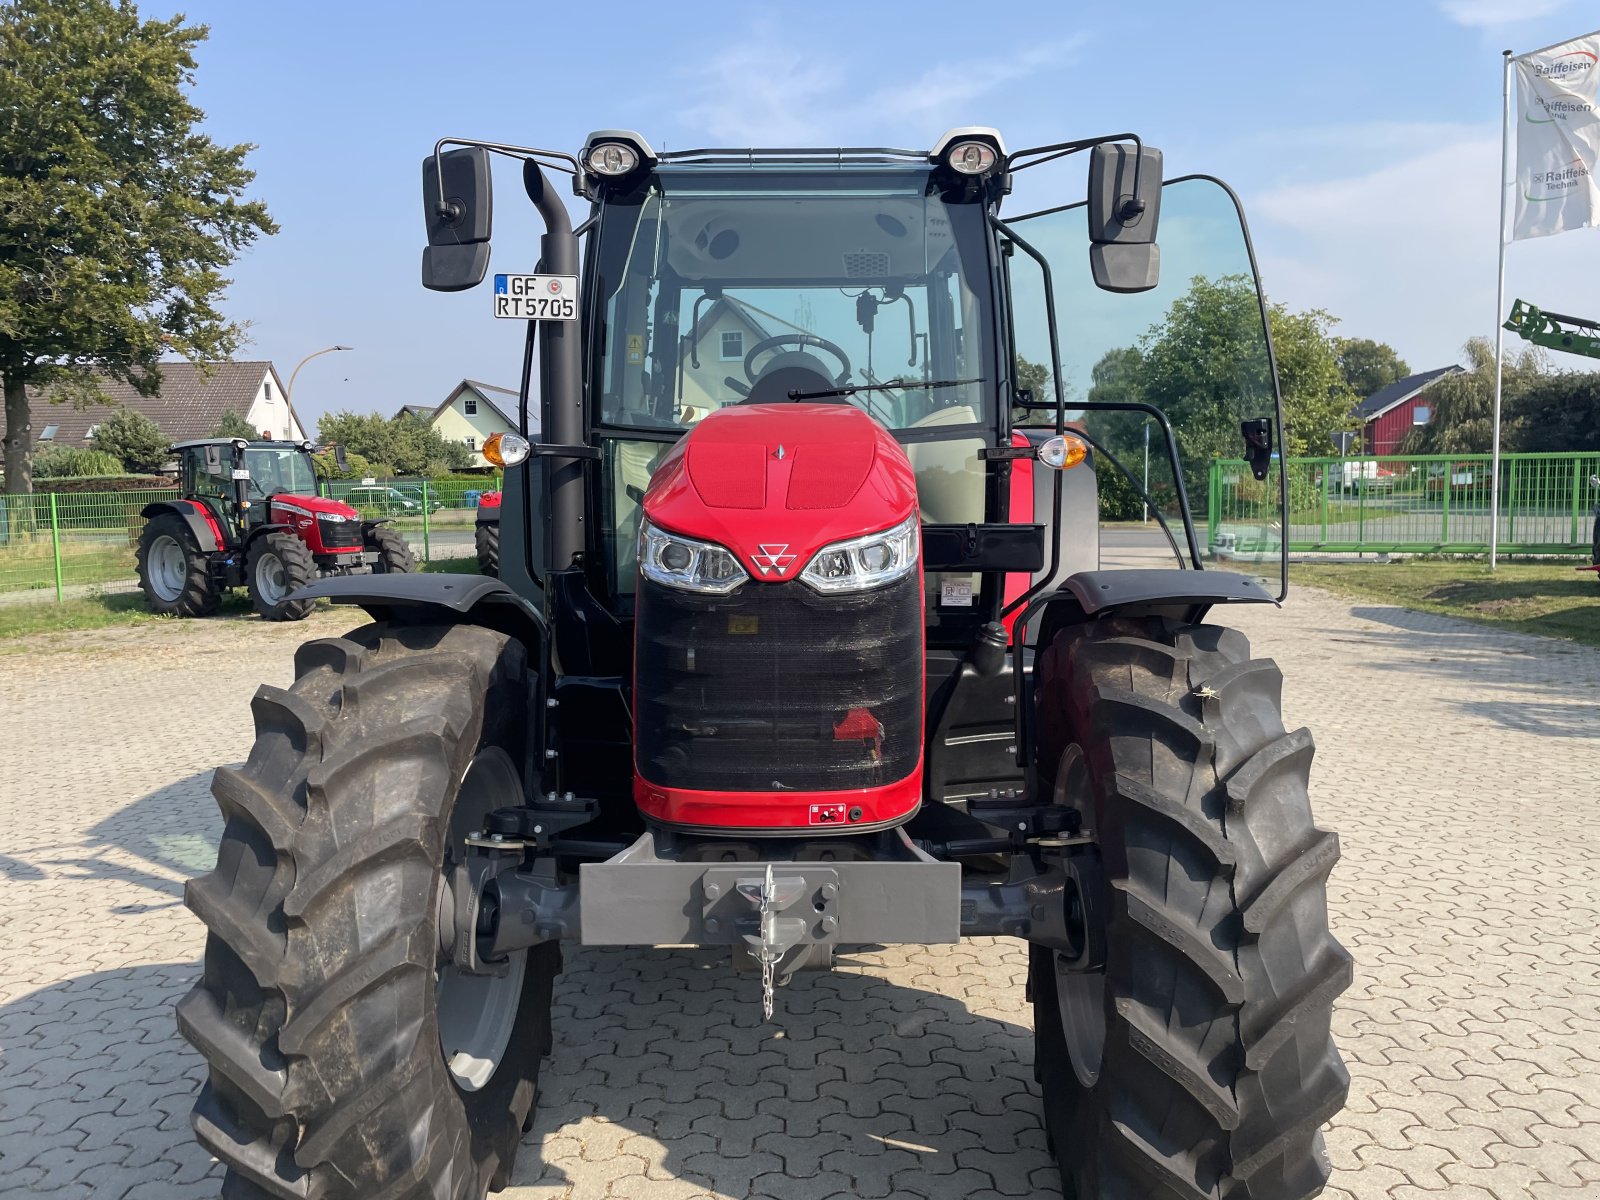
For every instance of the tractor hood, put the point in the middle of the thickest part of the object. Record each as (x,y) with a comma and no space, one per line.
(286,506)
(774,483)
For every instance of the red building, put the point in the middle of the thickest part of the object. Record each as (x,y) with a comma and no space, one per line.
(1394,411)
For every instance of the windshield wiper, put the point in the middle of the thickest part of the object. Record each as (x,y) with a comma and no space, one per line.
(796,394)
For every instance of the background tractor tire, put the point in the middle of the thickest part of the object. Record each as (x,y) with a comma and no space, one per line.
(1595,557)
(319,1010)
(275,567)
(394,554)
(1199,1063)
(486,538)
(174,573)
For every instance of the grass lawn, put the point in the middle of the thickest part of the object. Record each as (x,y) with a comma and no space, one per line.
(1549,599)
(19,619)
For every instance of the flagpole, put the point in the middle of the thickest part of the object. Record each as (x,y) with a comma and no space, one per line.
(1499,316)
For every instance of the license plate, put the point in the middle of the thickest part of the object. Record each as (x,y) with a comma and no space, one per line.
(536,297)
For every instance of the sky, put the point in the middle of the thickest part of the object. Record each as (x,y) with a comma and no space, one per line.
(1363,139)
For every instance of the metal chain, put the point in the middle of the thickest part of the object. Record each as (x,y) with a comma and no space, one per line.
(768,888)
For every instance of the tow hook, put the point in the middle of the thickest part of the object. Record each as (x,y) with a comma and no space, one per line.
(772,894)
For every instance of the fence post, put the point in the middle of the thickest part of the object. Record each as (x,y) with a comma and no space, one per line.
(427,553)
(55,547)
(1444,516)
(1511,500)
(1213,499)
(1577,497)
(1361,507)
(1327,478)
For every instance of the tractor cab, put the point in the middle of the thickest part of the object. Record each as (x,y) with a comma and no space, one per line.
(239,481)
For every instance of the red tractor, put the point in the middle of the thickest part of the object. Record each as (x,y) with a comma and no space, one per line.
(250,516)
(486,534)
(803,639)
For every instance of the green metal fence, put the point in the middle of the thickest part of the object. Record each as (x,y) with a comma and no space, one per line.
(61,546)
(1417,505)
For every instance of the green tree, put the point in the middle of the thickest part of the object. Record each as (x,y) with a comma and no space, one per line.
(1317,398)
(1035,378)
(1559,413)
(1462,421)
(117,216)
(1368,366)
(233,425)
(134,440)
(407,442)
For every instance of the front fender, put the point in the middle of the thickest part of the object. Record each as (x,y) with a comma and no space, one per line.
(421,598)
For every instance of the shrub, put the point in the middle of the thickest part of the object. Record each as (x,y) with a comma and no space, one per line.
(134,440)
(71,462)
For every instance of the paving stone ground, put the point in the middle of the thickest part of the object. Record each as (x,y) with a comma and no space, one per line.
(1460,765)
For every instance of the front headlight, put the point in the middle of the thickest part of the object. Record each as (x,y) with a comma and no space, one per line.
(680,562)
(866,562)
(334,518)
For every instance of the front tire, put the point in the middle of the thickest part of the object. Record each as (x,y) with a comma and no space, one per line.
(174,573)
(1199,1062)
(276,566)
(325,1002)
(394,554)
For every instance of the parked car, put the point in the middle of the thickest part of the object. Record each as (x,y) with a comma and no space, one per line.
(382,500)
(1462,477)
(414,493)
(1364,474)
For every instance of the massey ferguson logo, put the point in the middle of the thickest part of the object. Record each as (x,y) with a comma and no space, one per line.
(773,560)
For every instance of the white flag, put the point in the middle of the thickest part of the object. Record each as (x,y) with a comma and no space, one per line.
(1558,139)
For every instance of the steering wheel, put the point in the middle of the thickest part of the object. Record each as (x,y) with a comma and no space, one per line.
(798,340)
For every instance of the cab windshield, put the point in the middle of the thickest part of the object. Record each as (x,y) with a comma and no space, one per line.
(279,470)
(717,289)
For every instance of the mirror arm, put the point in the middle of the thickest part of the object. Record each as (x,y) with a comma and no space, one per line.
(448,211)
(1063,149)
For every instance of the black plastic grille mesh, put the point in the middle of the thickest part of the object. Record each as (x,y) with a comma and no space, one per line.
(340,535)
(777,688)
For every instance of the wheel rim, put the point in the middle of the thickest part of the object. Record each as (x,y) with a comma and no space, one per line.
(478,1013)
(167,566)
(272,581)
(1080,995)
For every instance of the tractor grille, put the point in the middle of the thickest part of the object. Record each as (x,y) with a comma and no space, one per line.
(777,688)
(339,535)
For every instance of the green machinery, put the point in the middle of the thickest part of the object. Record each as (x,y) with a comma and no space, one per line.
(1572,334)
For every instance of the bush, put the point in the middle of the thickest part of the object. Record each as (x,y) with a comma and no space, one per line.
(1119,499)
(134,440)
(71,462)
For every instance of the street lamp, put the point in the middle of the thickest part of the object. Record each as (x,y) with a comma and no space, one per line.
(288,392)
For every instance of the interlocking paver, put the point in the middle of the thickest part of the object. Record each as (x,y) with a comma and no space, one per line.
(1457,763)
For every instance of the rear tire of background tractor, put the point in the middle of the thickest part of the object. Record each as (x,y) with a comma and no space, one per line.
(276,566)
(325,999)
(487,540)
(1198,1063)
(1595,557)
(174,572)
(394,554)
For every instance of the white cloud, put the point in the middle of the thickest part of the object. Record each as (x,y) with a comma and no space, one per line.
(769,88)
(1404,254)
(1493,14)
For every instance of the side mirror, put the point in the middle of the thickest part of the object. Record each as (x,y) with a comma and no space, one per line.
(340,457)
(1124,209)
(458,212)
(1257,444)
